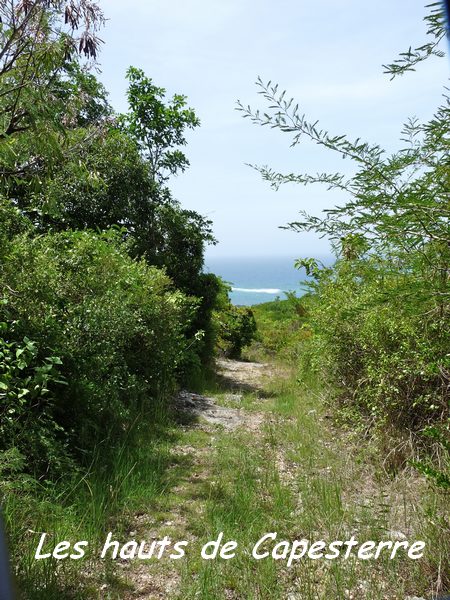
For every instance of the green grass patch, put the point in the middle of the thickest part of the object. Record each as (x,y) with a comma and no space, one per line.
(124,478)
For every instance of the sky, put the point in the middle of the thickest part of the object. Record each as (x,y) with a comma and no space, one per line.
(328,55)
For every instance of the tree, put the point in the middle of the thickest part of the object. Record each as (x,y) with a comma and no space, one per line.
(437,28)
(398,205)
(104,184)
(39,39)
(102,170)
(158,128)
(380,315)
(237,329)
(168,235)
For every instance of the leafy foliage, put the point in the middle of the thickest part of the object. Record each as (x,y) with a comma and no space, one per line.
(283,328)
(379,317)
(237,329)
(27,399)
(115,325)
(106,308)
(408,60)
(39,40)
(158,128)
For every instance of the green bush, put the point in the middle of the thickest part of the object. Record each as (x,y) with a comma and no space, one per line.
(116,325)
(27,423)
(385,354)
(282,327)
(236,329)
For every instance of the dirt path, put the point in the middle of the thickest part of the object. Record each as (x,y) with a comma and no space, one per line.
(210,418)
(255,457)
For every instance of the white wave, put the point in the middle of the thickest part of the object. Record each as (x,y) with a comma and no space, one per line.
(257,290)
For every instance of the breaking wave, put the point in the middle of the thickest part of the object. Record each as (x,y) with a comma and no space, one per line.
(257,290)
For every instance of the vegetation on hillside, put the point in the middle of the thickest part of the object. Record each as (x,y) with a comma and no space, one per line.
(377,326)
(105,312)
(104,306)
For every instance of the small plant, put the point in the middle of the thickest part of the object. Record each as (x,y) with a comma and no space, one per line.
(237,329)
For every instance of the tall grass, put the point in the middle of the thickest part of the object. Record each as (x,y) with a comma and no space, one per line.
(124,476)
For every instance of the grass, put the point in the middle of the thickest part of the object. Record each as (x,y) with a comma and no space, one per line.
(300,479)
(242,498)
(124,478)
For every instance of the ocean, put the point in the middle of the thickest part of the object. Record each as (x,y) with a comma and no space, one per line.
(258,279)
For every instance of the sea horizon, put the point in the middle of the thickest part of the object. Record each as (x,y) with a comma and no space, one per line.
(259,279)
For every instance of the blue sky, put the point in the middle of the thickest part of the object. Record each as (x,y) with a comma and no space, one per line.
(326,54)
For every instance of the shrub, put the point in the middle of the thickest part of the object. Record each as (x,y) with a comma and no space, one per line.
(384,355)
(116,325)
(282,327)
(236,329)
(27,423)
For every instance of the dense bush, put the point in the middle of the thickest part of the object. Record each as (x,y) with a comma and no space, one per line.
(116,326)
(96,329)
(27,401)
(381,357)
(236,329)
(380,315)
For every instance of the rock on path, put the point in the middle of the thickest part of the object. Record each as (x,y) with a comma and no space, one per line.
(202,407)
